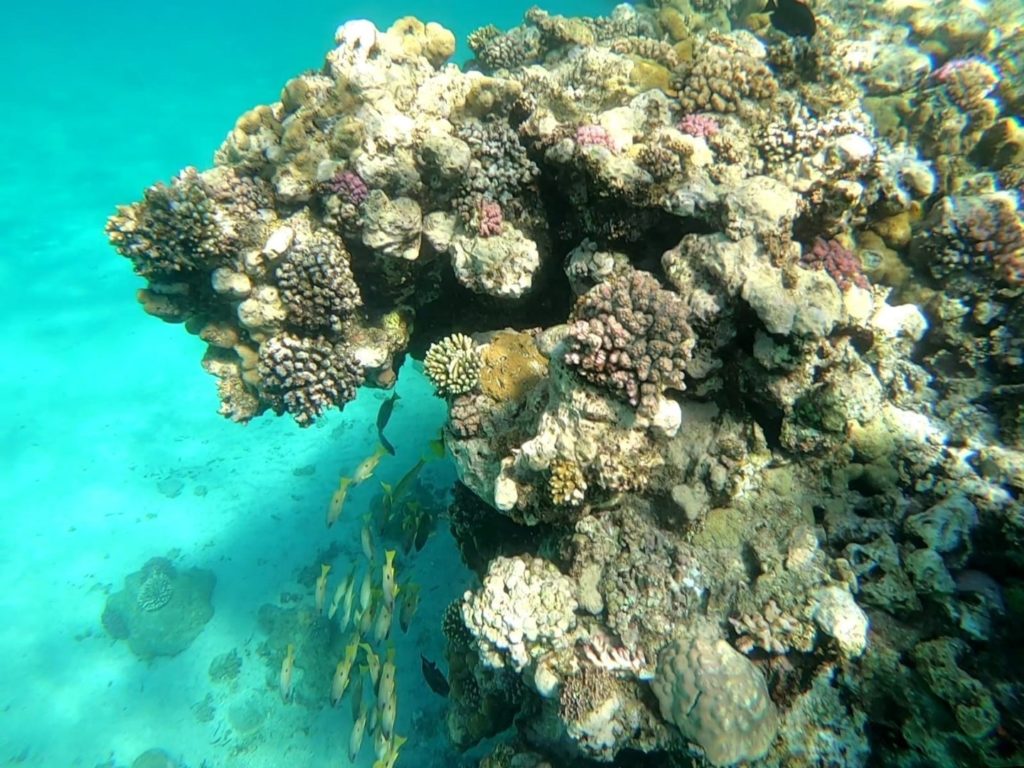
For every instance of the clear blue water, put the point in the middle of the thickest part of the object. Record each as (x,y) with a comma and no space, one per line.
(112,450)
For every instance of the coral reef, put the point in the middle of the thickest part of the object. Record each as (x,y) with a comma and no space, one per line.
(304,376)
(716,698)
(728,327)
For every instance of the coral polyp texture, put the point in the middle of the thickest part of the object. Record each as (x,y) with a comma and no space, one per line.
(631,337)
(304,376)
(453,364)
(729,329)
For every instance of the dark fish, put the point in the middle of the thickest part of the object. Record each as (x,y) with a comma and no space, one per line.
(424,527)
(383,416)
(792,18)
(435,677)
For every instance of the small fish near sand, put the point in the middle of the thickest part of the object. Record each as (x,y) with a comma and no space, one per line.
(435,677)
(383,416)
(363,473)
(287,670)
(321,587)
(792,17)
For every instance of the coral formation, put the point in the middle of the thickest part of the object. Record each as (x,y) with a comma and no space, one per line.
(631,337)
(730,339)
(716,698)
(453,364)
(525,609)
(161,609)
(304,376)
(839,262)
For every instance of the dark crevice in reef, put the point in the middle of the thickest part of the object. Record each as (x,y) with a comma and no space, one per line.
(741,376)
(455,308)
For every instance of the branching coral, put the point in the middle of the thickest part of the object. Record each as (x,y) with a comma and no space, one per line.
(317,287)
(175,228)
(719,78)
(839,261)
(306,376)
(453,364)
(566,485)
(630,336)
(981,234)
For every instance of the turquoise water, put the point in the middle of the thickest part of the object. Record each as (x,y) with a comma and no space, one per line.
(113,452)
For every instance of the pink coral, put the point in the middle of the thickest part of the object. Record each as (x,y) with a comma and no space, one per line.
(594,136)
(840,262)
(349,186)
(698,126)
(489,218)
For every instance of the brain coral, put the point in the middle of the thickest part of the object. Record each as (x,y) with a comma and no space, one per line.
(716,697)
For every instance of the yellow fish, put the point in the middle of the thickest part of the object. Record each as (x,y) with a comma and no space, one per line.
(338,501)
(386,684)
(407,480)
(339,595)
(347,599)
(368,465)
(393,750)
(321,587)
(339,683)
(287,669)
(386,507)
(366,590)
(380,744)
(366,621)
(382,625)
(388,578)
(357,691)
(366,539)
(388,712)
(437,448)
(355,740)
(372,663)
(343,671)
(408,605)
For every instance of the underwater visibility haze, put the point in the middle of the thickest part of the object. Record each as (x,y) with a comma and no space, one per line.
(577,385)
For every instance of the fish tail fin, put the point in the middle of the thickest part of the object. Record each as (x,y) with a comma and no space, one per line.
(387,446)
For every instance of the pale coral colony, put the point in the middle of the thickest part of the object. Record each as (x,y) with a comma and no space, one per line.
(729,329)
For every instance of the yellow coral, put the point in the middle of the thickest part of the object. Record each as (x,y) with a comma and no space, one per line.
(512,366)
(566,483)
(453,364)
(647,75)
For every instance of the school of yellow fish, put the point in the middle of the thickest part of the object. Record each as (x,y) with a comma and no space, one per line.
(366,612)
